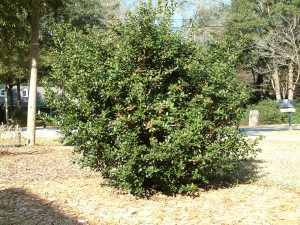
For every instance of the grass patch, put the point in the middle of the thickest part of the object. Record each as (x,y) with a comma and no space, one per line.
(280,165)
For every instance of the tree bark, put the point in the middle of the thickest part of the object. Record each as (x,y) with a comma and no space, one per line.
(276,82)
(291,81)
(19,94)
(35,26)
(6,105)
(11,100)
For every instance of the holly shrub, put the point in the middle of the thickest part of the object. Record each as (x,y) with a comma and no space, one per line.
(147,107)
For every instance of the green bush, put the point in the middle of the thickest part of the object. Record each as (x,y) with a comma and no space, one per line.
(20,117)
(44,119)
(269,113)
(147,107)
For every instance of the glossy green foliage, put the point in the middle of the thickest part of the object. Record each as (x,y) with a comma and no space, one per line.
(146,107)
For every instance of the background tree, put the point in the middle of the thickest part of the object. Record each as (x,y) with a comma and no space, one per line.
(204,19)
(84,14)
(15,36)
(14,47)
(270,33)
(280,49)
(35,27)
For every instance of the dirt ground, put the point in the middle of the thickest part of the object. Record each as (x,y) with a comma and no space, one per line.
(41,185)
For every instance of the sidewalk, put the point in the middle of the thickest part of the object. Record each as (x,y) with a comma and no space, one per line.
(274,132)
(48,132)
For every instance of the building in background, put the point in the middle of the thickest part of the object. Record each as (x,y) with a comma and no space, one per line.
(41,107)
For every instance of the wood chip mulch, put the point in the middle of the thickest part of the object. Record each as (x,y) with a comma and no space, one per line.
(41,185)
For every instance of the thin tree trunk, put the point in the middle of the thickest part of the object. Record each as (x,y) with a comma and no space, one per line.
(276,82)
(11,100)
(262,7)
(33,72)
(291,81)
(6,105)
(284,89)
(19,94)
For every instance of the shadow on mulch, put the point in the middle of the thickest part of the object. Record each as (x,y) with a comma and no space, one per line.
(247,171)
(9,152)
(18,206)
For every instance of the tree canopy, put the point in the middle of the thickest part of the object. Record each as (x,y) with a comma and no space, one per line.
(270,30)
(20,38)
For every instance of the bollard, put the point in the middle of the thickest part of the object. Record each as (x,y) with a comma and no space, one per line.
(290,121)
(253,118)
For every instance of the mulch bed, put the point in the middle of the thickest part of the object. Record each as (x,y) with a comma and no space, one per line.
(41,185)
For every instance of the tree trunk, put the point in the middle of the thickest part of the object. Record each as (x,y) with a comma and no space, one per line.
(33,72)
(19,94)
(6,105)
(291,81)
(11,100)
(262,8)
(276,82)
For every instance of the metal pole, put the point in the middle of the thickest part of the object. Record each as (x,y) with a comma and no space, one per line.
(290,120)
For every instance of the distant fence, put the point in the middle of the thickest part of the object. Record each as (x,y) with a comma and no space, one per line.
(10,136)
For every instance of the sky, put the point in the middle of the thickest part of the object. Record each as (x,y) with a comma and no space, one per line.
(185,12)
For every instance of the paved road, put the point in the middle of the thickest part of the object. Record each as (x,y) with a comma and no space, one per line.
(48,132)
(274,132)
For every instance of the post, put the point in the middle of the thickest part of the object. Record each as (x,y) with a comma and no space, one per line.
(253,118)
(290,120)
(287,106)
